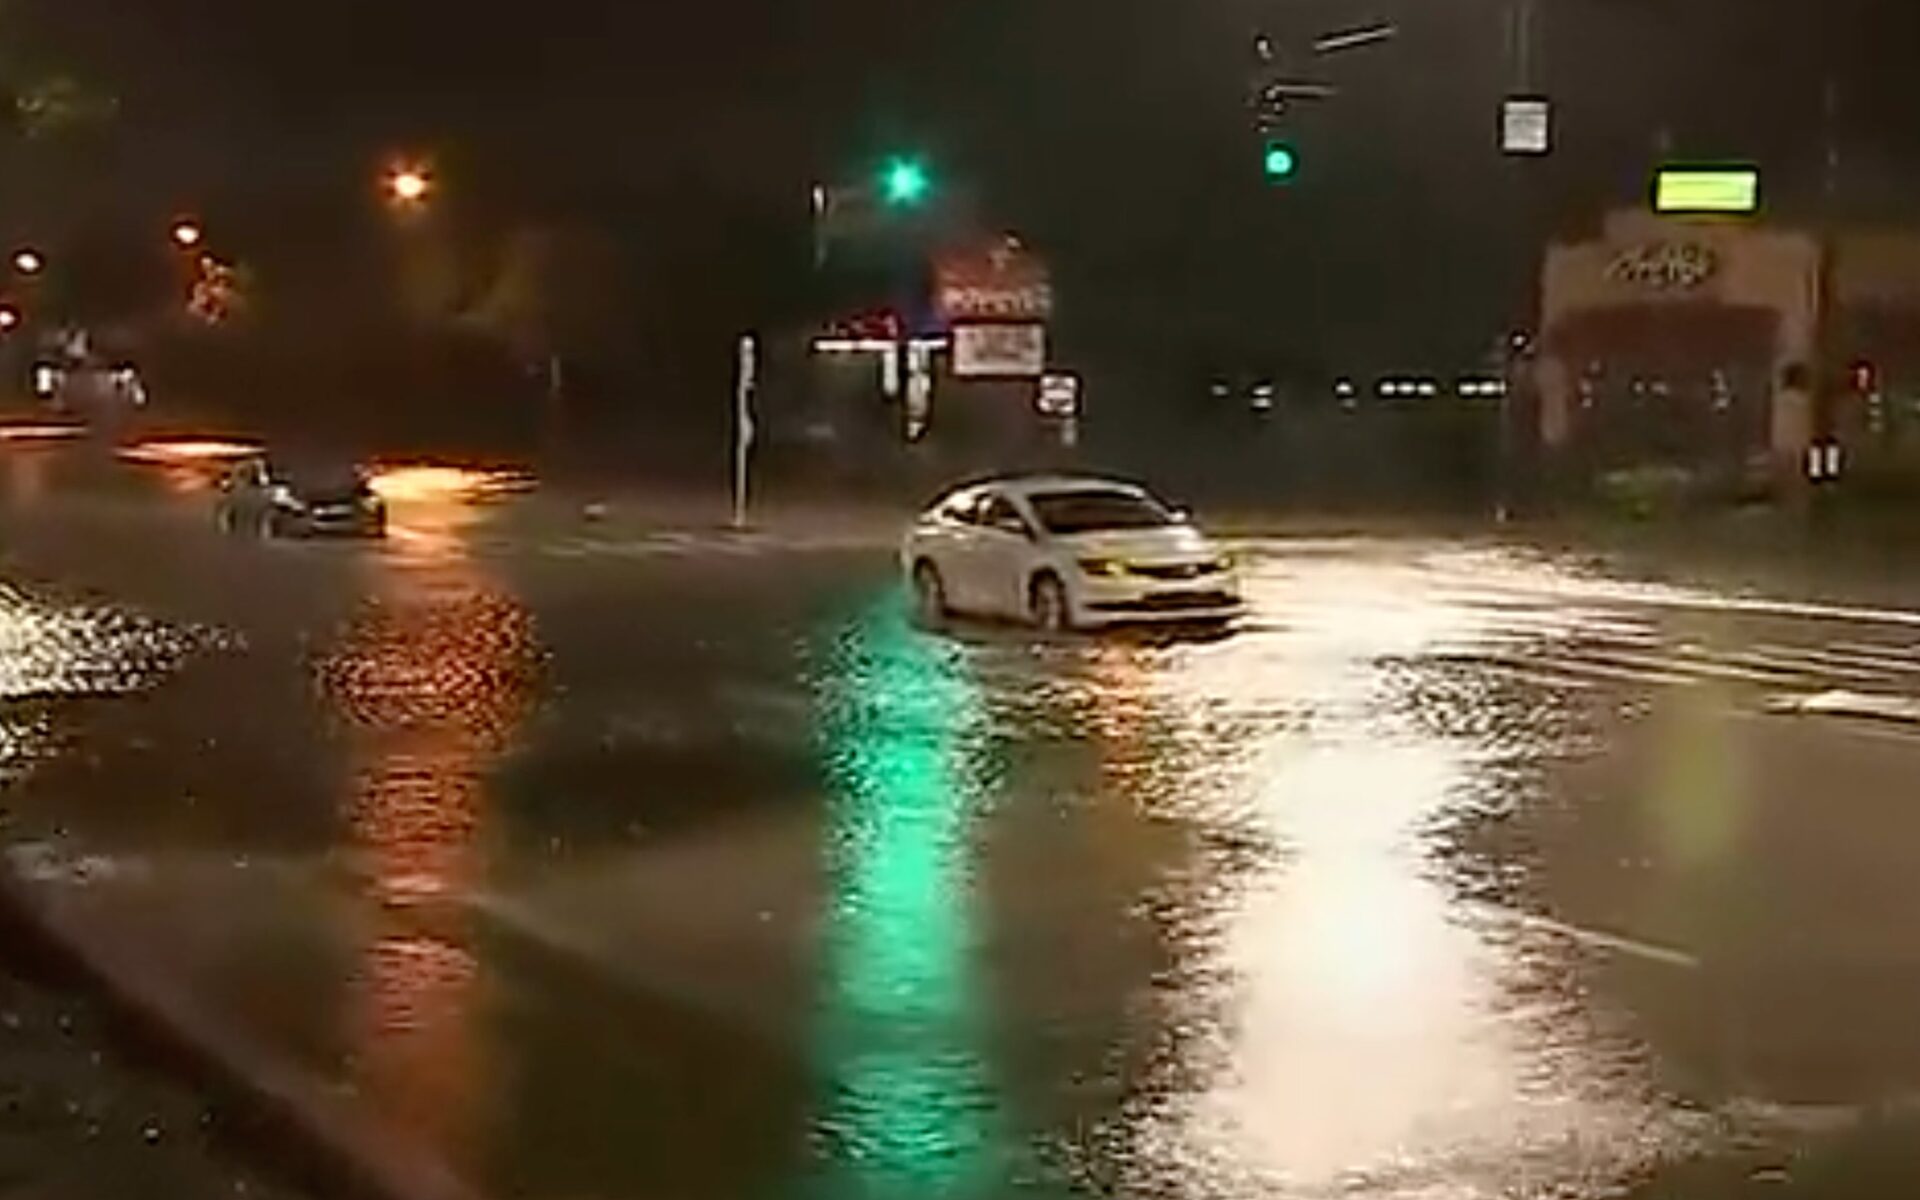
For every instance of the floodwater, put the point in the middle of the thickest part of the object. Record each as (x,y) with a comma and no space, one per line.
(1337,991)
(605,859)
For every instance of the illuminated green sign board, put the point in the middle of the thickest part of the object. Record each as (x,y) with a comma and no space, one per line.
(1707,190)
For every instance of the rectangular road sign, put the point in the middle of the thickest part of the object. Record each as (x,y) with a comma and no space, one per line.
(999,351)
(1526,125)
(1059,394)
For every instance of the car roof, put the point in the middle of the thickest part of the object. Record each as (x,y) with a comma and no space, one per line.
(314,464)
(1052,481)
(316,473)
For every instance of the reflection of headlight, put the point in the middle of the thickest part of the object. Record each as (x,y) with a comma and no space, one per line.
(283,495)
(1106,568)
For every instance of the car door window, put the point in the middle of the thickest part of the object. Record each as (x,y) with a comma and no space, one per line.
(962,510)
(999,513)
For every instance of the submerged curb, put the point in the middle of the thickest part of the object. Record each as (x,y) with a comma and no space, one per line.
(318,1135)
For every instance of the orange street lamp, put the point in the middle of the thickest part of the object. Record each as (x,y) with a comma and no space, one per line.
(408,186)
(28,261)
(187,233)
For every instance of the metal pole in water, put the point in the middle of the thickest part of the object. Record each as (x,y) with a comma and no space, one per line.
(746,378)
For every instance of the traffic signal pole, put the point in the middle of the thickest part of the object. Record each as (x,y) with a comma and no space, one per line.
(1519,393)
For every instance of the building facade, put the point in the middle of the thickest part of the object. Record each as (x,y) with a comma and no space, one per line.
(1726,346)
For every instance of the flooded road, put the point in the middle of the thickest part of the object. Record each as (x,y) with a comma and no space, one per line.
(613,860)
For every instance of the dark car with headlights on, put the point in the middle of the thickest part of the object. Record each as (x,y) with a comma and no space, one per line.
(261,496)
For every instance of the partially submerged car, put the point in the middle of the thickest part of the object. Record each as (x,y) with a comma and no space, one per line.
(262,496)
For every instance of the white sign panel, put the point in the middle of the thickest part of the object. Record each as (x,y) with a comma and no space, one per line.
(919,389)
(1059,394)
(1526,125)
(1013,301)
(999,351)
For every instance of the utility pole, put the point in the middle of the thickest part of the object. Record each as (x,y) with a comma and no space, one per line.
(1823,429)
(1523,16)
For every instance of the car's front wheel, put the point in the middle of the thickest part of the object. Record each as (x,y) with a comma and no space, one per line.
(1047,603)
(929,596)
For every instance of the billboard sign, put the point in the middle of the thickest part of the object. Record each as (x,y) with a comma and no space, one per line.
(999,351)
(997,282)
(1707,190)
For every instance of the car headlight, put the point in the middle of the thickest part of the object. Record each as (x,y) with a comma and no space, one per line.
(283,496)
(1103,568)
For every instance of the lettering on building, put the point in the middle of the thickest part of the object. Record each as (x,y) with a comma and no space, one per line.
(1664,266)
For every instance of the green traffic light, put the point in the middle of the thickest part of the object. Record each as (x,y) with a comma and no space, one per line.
(1280,162)
(905,182)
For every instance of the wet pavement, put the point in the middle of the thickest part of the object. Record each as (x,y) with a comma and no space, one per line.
(82,1118)
(605,858)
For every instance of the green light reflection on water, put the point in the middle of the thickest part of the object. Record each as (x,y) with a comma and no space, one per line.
(906,1103)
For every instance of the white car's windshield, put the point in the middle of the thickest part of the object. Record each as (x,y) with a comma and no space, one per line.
(1092,511)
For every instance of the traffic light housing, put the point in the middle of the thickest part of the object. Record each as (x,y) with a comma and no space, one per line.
(1278,161)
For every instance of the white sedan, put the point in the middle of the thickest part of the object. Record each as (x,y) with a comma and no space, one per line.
(1065,552)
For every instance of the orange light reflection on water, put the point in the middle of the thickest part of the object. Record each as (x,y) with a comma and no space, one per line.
(189,451)
(431,678)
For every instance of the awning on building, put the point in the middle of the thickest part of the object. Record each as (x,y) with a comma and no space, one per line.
(1667,336)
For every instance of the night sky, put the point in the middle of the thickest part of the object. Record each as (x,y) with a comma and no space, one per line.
(1112,135)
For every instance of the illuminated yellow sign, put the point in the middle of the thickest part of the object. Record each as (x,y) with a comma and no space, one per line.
(1707,190)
